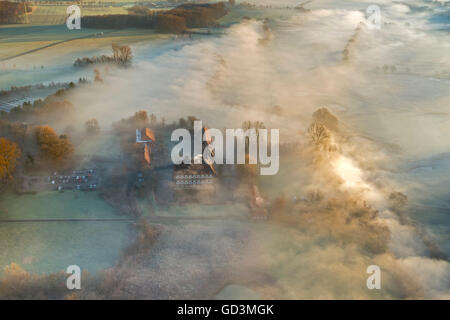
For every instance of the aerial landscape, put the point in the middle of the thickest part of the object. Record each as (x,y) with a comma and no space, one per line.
(341,110)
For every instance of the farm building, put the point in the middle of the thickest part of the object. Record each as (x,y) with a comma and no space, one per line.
(147,137)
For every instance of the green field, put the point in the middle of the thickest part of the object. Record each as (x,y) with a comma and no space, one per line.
(48,14)
(43,247)
(56,14)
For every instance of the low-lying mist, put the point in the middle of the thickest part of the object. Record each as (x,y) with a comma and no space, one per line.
(392,101)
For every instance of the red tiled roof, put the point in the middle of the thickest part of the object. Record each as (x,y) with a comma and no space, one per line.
(148,134)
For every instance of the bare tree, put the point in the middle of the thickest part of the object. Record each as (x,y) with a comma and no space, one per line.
(246,125)
(125,54)
(318,134)
(92,126)
(121,54)
(258,125)
(115,50)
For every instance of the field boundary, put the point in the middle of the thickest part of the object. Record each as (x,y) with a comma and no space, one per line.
(51,45)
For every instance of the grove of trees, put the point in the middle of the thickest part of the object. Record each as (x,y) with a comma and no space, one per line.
(92,126)
(9,157)
(122,55)
(176,20)
(52,146)
(318,134)
(11,12)
(169,23)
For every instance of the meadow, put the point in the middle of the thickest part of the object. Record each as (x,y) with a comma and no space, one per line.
(52,246)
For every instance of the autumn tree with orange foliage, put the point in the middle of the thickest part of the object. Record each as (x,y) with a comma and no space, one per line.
(57,148)
(9,156)
(18,284)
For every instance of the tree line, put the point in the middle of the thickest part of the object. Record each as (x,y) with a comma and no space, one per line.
(11,12)
(176,20)
(122,55)
(23,145)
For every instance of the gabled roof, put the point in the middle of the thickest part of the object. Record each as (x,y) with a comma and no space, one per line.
(148,134)
(145,135)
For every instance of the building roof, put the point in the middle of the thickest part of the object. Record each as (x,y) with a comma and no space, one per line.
(148,134)
(145,135)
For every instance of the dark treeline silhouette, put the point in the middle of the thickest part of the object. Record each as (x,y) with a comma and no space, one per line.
(169,23)
(11,12)
(122,55)
(23,89)
(120,21)
(200,15)
(53,106)
(81,62)
(139,10)
(172,21)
